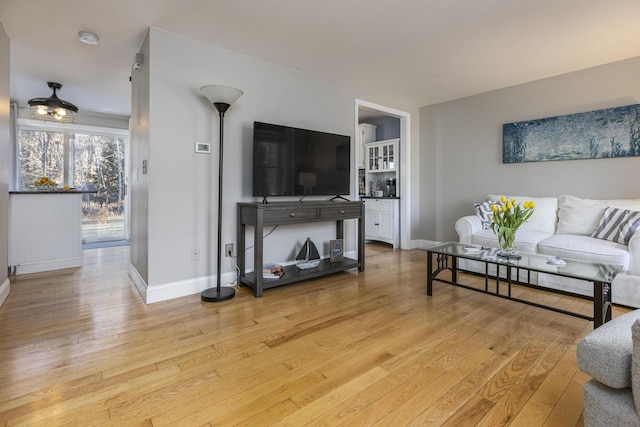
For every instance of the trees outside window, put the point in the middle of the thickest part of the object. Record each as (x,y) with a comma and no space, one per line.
(40,154)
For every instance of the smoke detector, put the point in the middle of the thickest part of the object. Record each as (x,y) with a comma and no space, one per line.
(88,38)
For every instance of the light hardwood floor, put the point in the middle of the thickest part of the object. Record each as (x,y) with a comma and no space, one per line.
(81,348)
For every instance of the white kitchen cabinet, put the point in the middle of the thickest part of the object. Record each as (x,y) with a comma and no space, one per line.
(382,156)
(382,221)
(366,133)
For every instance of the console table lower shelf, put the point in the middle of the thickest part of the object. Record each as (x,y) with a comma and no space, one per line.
(293,274)
(260,215)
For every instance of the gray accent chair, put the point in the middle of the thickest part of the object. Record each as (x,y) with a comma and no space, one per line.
(611,356)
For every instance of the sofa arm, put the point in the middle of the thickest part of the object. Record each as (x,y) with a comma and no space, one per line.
(634,254)
(466,227)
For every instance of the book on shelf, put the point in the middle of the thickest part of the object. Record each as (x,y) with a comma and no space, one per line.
(275,275)
(272,268)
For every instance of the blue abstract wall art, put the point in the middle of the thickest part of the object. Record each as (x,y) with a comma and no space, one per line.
(612,132)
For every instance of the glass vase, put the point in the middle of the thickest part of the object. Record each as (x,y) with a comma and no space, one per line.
(507,241)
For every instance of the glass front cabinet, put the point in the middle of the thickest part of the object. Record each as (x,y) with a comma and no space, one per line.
(382,156)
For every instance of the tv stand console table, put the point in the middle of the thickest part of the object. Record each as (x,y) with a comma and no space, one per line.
(260,215)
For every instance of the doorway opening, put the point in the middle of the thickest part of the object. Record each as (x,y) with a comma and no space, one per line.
(382,177)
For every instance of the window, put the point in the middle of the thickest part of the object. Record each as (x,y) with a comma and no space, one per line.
(40,153)
(81,157)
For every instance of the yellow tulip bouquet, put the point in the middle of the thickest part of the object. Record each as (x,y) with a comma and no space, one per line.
(507,218)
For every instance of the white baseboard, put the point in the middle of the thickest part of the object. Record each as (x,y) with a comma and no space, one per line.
(138,281)
(58,264)
(167,291)
(5,288)
(420,243)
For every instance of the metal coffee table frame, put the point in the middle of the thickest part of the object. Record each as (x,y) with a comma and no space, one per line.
(601,275)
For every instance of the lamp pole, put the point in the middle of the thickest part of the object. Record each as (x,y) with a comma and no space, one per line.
(222,97)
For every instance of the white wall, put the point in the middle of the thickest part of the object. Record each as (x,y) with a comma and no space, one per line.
(4,163)
(182,211)
(138,181)
(461,146)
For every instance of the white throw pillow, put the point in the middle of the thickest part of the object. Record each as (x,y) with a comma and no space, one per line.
(582,216)
(544,217)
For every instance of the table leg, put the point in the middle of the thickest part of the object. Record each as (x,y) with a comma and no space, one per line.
(429,273)
(454,269)
(601,304)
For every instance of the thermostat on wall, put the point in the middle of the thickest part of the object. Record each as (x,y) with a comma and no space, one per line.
(203,147)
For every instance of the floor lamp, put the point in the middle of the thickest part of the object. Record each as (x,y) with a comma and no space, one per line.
(221,97)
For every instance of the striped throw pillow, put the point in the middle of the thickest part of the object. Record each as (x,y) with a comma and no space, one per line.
(617,225)
(484,212)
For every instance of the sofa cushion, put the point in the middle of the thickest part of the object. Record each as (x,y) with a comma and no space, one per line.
(484,212)
(581,216)
(526,240)
(605,353)
(585,248)
(545,216)
(617,225)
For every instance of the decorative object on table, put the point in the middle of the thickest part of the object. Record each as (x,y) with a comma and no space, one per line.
(221,97)
(336,252)
(272,271)
(612,132)
(53,108)
(472,249)
(556,261)
(45,184)
(308,257)
(272,267)
(507,218)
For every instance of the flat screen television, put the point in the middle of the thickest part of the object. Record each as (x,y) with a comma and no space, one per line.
(289,161)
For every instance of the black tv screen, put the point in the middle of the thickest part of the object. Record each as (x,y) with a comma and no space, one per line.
(289,161)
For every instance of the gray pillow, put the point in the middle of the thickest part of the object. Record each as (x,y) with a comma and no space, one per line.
(484,212)
(617,225)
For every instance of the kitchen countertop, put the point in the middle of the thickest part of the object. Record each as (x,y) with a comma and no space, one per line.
(383,197)
(52,191)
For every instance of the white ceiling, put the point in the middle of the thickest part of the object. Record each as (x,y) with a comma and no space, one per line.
(416,52)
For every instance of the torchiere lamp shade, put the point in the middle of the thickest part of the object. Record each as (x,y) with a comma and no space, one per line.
(219,94)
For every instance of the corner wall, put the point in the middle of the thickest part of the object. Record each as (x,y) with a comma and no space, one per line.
(138,180)
(4,163)
(462,141)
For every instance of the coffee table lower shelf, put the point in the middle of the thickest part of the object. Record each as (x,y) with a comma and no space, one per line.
(602,307)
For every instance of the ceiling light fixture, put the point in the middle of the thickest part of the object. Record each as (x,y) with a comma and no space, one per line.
(88,38)
(53,108)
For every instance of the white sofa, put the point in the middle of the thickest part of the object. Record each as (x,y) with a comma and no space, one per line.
(562,227)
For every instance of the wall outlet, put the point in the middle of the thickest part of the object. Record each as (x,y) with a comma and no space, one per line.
(228,249)
(195,254)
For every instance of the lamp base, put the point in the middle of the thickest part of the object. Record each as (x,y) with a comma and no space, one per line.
(212,294)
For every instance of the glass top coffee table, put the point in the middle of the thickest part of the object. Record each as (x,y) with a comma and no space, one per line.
(518,272)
